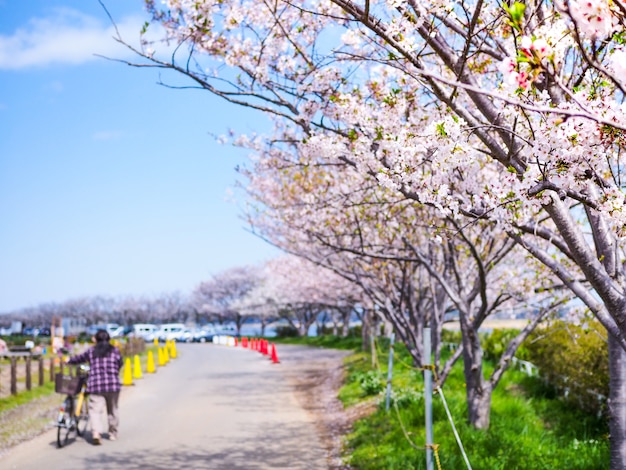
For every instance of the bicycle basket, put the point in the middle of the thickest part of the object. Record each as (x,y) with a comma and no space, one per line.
(66,384)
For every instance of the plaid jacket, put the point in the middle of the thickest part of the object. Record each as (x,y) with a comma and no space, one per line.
(104,373)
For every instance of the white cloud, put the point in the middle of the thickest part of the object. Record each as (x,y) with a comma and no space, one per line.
(68,37)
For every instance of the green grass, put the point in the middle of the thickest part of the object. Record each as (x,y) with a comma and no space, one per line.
(326,341)
(530,427)
(26,396)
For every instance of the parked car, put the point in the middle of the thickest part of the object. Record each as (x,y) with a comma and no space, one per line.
(121,331)
(226,330)
(203,335)
(30,331)
(170,331)
(147,331)
(186,336)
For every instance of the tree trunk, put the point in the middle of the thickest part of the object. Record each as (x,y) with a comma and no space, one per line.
(617,404)
(478,391)
(345,329)
(365,330)
(479,405)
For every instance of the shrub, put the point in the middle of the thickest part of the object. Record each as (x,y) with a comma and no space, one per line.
(405,397)
(498,340)
(451,336)
(286,331)
(371,382)
(573,358)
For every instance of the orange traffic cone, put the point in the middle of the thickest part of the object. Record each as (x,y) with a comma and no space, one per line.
(236,342)
(274,355)
(266,349)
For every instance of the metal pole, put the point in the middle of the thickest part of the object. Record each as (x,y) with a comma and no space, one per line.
(392,338)
(428,400)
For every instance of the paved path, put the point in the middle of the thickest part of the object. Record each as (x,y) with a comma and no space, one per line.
(213,407)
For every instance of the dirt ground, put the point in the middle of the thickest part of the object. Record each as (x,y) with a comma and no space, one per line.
(317,385)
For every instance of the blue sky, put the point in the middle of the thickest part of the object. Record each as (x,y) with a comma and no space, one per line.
(110,184)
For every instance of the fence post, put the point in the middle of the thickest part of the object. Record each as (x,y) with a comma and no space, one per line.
(40,370)
(392,338)
(13,376)
(52,369)
(29,382)
(428,400)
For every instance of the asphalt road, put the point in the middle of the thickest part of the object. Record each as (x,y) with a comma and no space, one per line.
(213,407)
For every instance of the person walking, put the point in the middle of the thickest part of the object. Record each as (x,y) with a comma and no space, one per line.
(103,385)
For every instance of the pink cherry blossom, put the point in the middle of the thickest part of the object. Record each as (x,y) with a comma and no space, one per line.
(594,18)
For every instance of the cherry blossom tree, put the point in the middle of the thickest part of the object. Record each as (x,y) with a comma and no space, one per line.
(340,220)
(221,295)
(259,302)
(523,99)
(301,291)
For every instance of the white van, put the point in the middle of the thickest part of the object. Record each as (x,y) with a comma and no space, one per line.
(169,331)
(146,331)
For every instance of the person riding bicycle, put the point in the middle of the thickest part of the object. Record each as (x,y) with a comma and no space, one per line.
(103,384)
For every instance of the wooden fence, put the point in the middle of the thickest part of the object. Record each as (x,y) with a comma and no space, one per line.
(21,371)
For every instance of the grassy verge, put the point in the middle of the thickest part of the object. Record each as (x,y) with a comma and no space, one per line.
(327,341)
(530,428)
(26,396)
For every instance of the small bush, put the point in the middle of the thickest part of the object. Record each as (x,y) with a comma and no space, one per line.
(451,336)
(286,331)
(573,358)
(406,397)
(496,343)
(371,382)
(356,331)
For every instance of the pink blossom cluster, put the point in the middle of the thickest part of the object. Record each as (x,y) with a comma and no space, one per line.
(509,70)
(618,64)
(523,72)
(593,18)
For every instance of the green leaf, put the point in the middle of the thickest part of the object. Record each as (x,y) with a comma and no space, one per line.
(516,14)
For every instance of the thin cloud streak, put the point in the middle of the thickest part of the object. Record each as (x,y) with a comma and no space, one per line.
(68,37)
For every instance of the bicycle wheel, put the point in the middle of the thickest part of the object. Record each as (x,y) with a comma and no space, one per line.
(65,423)
(82,420)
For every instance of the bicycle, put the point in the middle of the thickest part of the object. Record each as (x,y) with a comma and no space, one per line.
(73,415)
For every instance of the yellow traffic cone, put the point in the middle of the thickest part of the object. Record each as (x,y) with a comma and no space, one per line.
(137,368)
(155,341)
(173,349)
(150,369)
(161,360)
(128,373)
(166,355)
